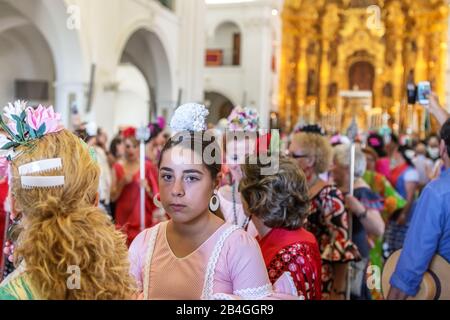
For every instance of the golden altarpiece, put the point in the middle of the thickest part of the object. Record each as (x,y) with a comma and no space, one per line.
(355,57)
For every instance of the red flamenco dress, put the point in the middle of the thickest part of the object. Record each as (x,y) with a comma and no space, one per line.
(128,212)
(297,253)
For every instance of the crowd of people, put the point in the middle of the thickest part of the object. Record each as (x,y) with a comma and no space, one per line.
(216,229)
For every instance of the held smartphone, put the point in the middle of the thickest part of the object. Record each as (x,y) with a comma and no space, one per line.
(411,91)
(423,92)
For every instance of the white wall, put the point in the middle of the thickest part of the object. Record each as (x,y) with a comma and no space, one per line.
(253,79)
(106,27)
(24,55)
(191,50)
(132,108)
(228,81)
(173,58)
(108,41)
(50,18)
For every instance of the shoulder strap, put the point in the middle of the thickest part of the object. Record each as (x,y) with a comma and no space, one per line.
(148,259)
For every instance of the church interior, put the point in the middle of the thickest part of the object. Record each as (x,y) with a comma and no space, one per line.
(294,61)
(350,98)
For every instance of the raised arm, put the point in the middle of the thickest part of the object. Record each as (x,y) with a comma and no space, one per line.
(436,110)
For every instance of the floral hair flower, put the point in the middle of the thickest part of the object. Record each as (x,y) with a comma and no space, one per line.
(25,124)
(161,122)
(243,119)
(129,132)
(189,117)
(43,120)
(374,142)
(14,109)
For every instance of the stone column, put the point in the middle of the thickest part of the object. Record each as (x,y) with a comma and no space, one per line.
(421,68)
(283,93)
(442,48)
(68,95)
(330,25)
(302,75)
(192,40)
(257,68)
(396,24)
(324,75)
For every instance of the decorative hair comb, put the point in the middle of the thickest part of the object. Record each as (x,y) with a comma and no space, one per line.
(32,182)
(41,166)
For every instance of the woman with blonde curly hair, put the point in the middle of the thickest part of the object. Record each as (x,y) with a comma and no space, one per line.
(327,219)
(67,248)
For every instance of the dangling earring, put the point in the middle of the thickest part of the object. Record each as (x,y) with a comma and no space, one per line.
(214,203)
(157,201)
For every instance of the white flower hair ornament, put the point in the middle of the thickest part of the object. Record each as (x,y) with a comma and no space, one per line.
(189,117)
(23,126)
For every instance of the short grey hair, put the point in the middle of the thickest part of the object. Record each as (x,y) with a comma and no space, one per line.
(342,156)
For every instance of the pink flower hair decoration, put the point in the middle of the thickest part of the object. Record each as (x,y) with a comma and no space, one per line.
(24,124)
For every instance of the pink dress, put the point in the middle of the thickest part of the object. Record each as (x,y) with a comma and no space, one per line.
(229,265)
(226,206)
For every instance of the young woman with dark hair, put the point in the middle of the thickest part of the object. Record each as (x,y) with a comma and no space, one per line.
(195,255)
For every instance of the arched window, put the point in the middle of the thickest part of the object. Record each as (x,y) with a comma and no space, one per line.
(225,47)
(219,106)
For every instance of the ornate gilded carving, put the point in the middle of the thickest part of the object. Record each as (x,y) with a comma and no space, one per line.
(399,38)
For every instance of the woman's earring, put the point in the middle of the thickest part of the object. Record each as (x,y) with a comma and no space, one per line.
(157,201)
(214,203)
